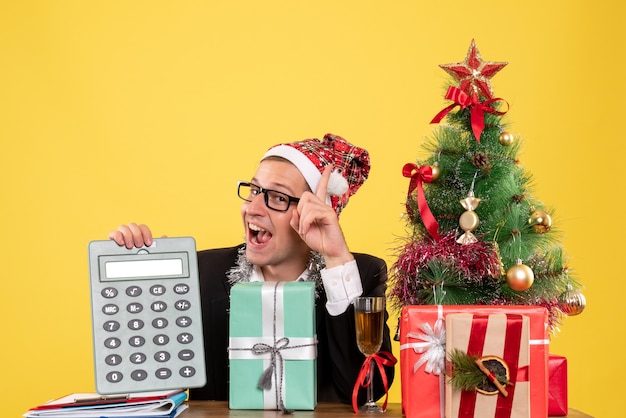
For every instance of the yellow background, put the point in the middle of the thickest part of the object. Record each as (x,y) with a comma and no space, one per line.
(149,111)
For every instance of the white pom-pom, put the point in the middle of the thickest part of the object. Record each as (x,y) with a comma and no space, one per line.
(337,184)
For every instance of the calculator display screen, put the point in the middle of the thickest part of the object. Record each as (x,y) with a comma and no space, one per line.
(143,269)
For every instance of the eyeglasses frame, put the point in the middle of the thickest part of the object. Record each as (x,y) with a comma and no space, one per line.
(264,191)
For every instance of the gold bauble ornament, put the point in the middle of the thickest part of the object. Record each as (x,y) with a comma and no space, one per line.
(520,277)
(572,302)
(540,220)
(506,138)
(435,171)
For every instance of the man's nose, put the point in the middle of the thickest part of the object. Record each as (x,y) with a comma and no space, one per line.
(257,203)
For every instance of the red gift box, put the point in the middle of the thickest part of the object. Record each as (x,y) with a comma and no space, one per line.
(557,389)
(505,336)
(422,353)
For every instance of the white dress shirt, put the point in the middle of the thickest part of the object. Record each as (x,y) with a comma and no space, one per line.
(342,284)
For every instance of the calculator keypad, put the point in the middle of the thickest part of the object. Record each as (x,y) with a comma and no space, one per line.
(160,339)
(147,334)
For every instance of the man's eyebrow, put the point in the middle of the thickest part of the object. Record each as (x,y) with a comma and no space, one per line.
(273,186)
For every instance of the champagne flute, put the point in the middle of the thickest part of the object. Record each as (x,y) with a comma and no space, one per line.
(369,313)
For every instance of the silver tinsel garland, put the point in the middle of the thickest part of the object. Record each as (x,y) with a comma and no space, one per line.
(241,272)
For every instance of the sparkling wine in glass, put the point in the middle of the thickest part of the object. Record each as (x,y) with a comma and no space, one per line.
(369,318)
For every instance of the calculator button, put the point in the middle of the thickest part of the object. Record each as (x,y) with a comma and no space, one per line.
(133,291)
(158,306)
(111,326)
(135,324)
(182,305)
(138,358)
(112,342)
(138,375)
(114,377)
(186,355)
(183,321)
(181,289)
(163,373)
(159,323)
(109,292)
(110,309)
(161,339)
(157,290)
(113,359)
(134,307)
(184,338)
(162,356)
(137,341)
(187,371)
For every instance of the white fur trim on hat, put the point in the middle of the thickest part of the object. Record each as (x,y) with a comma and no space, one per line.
(307,168)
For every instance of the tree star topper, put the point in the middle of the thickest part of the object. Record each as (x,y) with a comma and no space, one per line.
(474,73)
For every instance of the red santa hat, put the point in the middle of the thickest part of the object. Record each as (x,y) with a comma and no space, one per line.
(351,165)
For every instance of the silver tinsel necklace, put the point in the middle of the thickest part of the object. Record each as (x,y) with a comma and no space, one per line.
(242,271)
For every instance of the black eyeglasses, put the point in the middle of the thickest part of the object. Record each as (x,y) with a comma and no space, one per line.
(274,200)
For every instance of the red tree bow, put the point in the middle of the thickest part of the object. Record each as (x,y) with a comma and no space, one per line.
(477,109)
(417,176)
(382,358)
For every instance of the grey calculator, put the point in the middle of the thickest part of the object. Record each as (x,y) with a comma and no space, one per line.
(146,313)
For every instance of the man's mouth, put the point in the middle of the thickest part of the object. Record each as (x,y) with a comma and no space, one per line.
(258,235)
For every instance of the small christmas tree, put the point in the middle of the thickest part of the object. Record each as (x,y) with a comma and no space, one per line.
(478,236)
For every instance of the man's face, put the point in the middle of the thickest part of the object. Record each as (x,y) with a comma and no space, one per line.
(270,239)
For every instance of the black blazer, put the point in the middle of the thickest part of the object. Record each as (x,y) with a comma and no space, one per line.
(339,360)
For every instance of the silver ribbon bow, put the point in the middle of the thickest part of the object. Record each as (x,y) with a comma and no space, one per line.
(433,347)
(265,382)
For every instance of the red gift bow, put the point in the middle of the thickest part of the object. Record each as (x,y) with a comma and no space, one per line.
(417,176)
(382,358)
(477,111)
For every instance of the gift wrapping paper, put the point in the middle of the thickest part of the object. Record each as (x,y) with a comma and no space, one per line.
(272,330)
(557,383)
(505,336)
(422,355)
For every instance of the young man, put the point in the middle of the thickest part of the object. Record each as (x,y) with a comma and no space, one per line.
(290,216)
